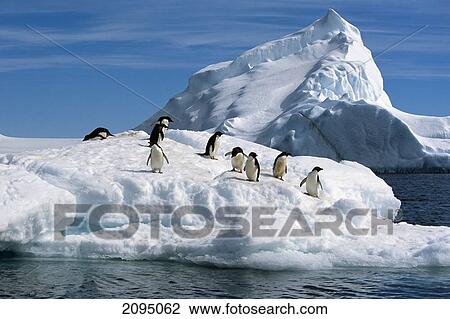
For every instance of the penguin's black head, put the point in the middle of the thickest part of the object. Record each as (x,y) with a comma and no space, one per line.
(86,137)
(253,154)
(238,150)
(285,154)
(162,118)
(218,134)
(317,169)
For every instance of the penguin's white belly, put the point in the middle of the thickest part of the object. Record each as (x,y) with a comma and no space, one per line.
(312,185)
(238,162)
(252,171)
(214,148)
(157,159)
(280,168)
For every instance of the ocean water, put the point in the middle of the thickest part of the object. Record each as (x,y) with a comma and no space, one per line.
(424,199)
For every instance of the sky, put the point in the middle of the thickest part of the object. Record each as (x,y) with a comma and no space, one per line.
(152,47)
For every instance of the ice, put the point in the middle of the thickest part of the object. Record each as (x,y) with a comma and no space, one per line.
(323,71)
(114,171)
(14,144)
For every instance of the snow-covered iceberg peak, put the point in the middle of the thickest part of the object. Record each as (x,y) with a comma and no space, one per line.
(331,26)
(314,92)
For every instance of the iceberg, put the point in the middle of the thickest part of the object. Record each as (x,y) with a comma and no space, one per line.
(315,92)
(114,172)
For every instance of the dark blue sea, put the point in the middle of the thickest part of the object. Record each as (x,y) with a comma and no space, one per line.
(425,201)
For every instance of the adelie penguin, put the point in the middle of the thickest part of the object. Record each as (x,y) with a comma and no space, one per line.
(280,167)
(237,159)
(160,128)
(156,158)
(212,147)
(252,167)
(157,135)
(313,182)
(99,133)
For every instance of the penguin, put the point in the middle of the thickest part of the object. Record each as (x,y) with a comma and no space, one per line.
(237,159)
(164,120)
(156,158)
(280,165)
(252,167)
(100,132)
(212,146)
(157,135)
(313,182)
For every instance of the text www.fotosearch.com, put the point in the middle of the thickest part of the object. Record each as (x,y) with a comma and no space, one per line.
(240,309)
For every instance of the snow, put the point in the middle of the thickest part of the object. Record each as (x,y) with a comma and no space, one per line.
(14,144)
(114,171)
(323,71)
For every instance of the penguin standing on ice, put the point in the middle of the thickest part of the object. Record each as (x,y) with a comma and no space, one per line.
(100,133)
(156,158)
(237,159)
(280,165)
(212,147)
(157,135)
(313,182)
(160,128)
(252,167)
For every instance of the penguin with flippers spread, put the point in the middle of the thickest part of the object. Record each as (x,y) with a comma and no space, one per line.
(312,182)
(156,158)
(237,159)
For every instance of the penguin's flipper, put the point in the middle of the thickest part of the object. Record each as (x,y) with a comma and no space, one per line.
(320,183)
(259,169)
(149,157)
(303,182)
(286,170)
(228,154)
(165,157)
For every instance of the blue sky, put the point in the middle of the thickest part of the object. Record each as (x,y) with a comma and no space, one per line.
(153,47)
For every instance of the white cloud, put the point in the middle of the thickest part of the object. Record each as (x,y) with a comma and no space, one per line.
(152,34)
